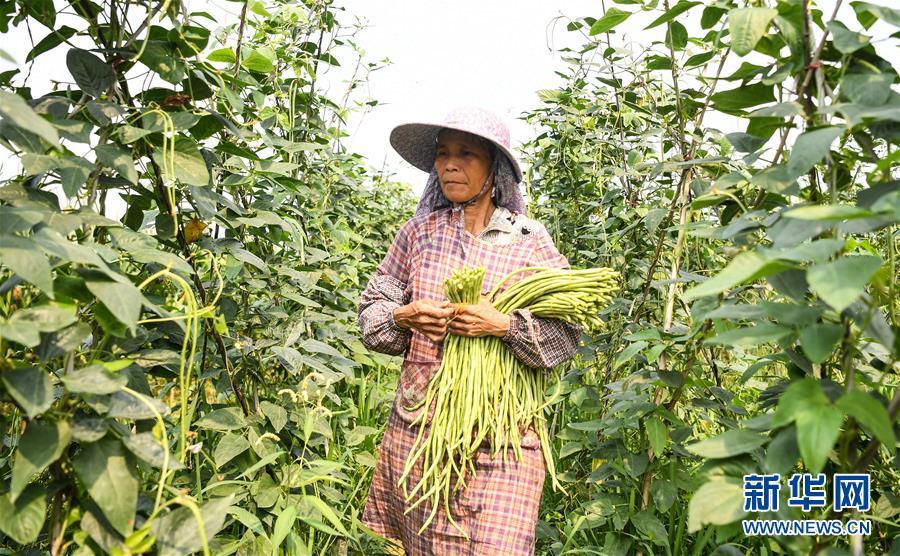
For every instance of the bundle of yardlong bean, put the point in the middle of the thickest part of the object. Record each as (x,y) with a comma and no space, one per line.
(482,391)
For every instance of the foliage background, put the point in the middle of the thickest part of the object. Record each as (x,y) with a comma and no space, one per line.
(187,376)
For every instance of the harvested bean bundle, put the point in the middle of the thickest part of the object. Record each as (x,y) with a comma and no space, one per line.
(481,391)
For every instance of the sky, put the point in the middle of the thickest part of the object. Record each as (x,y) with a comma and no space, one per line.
(442,54)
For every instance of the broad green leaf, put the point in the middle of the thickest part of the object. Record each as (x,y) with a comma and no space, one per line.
(673,12)
(735,100)
(628,353)
(16,111)
(149,449)
(93,75)
(55,38)
(73,173)
(283,525)
(25,325)
(108,475)
(801,395)
(94,379)
(782,453)
(276,414)
(815,251)
(178,533)
(186,164)
(610,19)
(225,419)
(827,212)
(229,447)
(23,519)
(868,13)
(727,444)
(743,268)
(869,89)
(31,388)
(845,40)
(747,26)
(121,298)
(225,54)
(41,445)
(817,431)
(870,413)
(750,336)
(819,340)
(715,503)
(650,527)
(326,512)
(811,147)
(260,59)
(656,434)
(163,58)
(119,159)
(841,282)
(20,255)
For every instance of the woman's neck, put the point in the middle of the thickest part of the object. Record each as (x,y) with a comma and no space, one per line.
(479,214)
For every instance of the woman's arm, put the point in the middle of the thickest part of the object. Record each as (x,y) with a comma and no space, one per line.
(380,332)
(385,292)
(541,342)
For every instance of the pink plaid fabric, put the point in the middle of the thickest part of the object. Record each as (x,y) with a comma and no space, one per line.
(499,508)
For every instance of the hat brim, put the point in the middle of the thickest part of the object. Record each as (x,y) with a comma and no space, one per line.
(416,141)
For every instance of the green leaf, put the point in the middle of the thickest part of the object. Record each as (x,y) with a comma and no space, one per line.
(94,379)
(673,12)
(326,512)
(261,60)
(276,414)
(16,111)
(41,445)
(31,388)
(743,268)
(841,282)
(25,325)
(827,213)
(749,336)
(869,413)
(782,453)
(747,26)
(226,419)
(656,434)
(811,147)
(628,353)
(23,520)
(868,89)
(727,444)
(817,431)
(229,447)
(119,159)
(650,527)
(93,75)
(73,173)
(610,19)
(108,475)
(225,54)
(845,40)
(819,340)
(162,58)
(187,165)
(715,503)
(801,395)
(735,100)
(19,255)
(868,13)
(178,533)
(51,41)
(123,300)
(149,449)
(283,526)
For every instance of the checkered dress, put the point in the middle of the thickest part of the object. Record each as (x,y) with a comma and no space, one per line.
(499,508)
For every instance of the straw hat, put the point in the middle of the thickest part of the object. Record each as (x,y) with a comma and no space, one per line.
(416,141)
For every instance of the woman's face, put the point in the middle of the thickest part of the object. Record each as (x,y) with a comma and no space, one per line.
(462,162)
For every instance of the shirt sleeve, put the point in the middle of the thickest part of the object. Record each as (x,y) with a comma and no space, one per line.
(387,290)
(538,341)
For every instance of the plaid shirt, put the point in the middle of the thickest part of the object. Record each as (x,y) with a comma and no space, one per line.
(535,341)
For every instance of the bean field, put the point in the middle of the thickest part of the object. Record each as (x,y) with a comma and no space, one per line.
(184,237)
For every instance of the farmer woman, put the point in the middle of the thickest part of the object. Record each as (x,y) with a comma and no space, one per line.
(470,214)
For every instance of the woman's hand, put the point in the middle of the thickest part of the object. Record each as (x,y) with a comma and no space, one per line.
(482,319)
(427,316)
